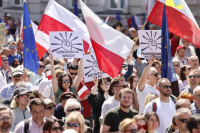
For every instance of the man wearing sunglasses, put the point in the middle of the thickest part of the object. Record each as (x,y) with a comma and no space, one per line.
(147,83)
(195,107)
(165,105)
(49,108)
(5,119)
(17,76)
(72,69)
(13,51)
(20,101)
(5,68)
(194,79)
(181,117)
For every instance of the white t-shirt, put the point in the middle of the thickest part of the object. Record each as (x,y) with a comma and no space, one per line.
(43,84)
(3,81)
(107,105)
(141,95)
(165,112)
(48,91)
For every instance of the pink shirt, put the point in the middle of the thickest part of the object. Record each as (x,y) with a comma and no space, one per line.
(33,127)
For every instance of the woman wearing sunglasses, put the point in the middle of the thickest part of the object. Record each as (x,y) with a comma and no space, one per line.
(96,100)
(183,75)
(52,126)
(152,120)
(141,124)
(75,121)
(128,126)
(49,108)
(64,82)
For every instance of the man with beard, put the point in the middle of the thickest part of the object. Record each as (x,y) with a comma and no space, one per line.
(165,105)
(114,116)
(5,119)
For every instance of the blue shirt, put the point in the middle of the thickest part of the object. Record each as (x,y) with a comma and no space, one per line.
(11,58)
(7,90)
(194,109)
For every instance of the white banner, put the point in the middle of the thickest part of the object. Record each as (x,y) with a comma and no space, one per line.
(91,68)
(150,43)
(66,44)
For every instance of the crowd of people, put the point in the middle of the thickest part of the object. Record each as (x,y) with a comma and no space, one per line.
(137,101)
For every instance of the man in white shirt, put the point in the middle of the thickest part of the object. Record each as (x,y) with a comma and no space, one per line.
(165,106)
(147,83)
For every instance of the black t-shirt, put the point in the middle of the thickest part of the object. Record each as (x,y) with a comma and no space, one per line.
(114,116)
(59,112)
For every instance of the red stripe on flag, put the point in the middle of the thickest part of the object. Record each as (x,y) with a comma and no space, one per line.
(178,23)
(40,50)
(108,61)
(50,24)
(84,93)
(49,77)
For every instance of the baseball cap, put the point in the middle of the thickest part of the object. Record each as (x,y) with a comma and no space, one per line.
(20,91)
(17,70)
(8,15)
(180,47)
(10,40)
(48,101)
(138,54)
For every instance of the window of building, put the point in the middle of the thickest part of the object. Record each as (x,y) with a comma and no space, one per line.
(117,4)
(18,3)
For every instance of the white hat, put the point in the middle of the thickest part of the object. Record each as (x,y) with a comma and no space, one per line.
(48,101)
(17,70)
(10,40)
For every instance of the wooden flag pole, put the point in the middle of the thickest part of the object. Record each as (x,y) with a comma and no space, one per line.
(104,84)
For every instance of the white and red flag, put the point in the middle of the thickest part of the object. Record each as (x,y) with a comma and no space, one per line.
(83,92)
(49,75)
(57,18)
(180,19)
(111,47)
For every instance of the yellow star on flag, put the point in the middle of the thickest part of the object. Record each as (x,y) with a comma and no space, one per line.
(27,49)
(24,27)
(30,25)
(36,49)
(32,51)
(22,45)
(166,46)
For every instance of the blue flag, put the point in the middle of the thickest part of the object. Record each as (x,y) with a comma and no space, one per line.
(133,23)
(76,12)
(167,69)
(30,55)
(118,16)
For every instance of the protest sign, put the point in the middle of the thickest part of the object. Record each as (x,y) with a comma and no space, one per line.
(150,43)
(91,68)
(66,44)
(2,34)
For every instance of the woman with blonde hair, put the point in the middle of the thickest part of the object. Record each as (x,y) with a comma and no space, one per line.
(149,97)
(75,121)
(128,125)
(141,123)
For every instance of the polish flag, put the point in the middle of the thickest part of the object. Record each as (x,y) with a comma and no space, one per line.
(83,92)
(49,75)
(57,18)
(180,19)
(111,46)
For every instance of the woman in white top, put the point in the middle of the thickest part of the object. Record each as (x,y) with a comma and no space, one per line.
(184,72)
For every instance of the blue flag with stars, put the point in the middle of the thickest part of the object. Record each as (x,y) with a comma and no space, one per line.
(167,69)
(30,60)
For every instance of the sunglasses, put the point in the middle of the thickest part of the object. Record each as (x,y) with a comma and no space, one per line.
(189,68)
(25,95)
(73,73)
(106,83)
(193,76)
(50,107)
(73,125)
(166,86)
(13,47)
(41,66)
(156,74)
(142,126)
(183,120)
(57,128)
(76,109)
(176,65)
(31,98)
(5,60)
(132,131)
(66,81)
(122,86)
(17,76)
(8,118)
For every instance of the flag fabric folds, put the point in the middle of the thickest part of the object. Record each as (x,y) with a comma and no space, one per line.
(167,69)
(30,60)
(111,47)
(57,18)
(181,22)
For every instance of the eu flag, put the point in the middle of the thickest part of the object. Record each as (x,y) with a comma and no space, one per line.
(118,16)
(167,69)
(76,12)
(30,55)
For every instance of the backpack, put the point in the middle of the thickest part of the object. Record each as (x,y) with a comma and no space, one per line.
(26,126)
(154,107)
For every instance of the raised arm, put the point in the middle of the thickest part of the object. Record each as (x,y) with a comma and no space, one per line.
(79,74)
(53,74)
(145,73)
(94,90)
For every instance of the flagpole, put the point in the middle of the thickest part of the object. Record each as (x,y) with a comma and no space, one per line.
(104,84)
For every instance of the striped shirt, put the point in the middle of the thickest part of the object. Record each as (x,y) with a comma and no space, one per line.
(194,109)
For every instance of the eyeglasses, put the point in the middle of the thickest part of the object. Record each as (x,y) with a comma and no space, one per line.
(73,125)
(8,118)
(41,66)
(50,107)
(132,131)
(13,47)
(142,126)
(122,86)
(106,83)
(5,60)
(66,81)
(156,74)
(76,109)
(189,68)
(17,76)
(25,95)
(176,65)
(193,76)
(31,98)
(183,120)
(56,129)
(166,86)
(73,73)
(136,81)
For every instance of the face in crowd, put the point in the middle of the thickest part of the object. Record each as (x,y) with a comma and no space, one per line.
(153,122)
(66,82)
(142,126)
(176,67)
(17,78)
(185,43)
(49,110)
(194,62)
(13,48)
(5,62)
(126,100)
(153,76)
(5,120)
(181,53)
(38,113)
(107,85)
(193,78)
(41,68)
(72,73)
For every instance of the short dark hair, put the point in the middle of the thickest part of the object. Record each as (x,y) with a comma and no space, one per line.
(48,124)
(36,101)
(36,93)
(156,62)
(67,95)
(73,66)
(118,24)
(116,80)
(181,74)
(193,122)
(126,90)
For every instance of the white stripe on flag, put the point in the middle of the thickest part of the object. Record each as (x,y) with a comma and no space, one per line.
(84,88)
